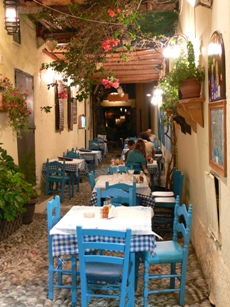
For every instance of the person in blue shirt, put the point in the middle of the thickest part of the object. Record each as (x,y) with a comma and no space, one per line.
(138,155)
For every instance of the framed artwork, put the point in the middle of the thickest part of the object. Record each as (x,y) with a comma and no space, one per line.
(72,110)
(217,136)
(216,67)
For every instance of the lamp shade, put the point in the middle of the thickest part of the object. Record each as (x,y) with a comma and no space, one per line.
(51,43)
(206,3)
(12,23)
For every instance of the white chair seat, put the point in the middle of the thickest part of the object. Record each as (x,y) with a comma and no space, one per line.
(162,194)
(165,200)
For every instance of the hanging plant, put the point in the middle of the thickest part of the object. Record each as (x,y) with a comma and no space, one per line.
(97,28)
(16,105)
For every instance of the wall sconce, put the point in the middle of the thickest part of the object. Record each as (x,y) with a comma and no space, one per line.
(51,43)
(206,3)
(12,23)
(175,45)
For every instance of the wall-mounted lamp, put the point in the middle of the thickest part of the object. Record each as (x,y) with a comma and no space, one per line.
(175,45)
(206,3)
(12,23)
(51,43)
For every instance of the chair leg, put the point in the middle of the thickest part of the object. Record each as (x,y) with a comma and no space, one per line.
(50,282)
(172,279)
(182,282)
(74,283)
(146,283)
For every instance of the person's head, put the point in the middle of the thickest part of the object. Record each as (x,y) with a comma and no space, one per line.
(149,131)
(131,144)
(140,146)
(145,136)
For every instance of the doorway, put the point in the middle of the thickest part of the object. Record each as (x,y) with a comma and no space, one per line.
(26,144)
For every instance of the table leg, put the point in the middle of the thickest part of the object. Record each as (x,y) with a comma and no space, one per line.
(159,173)
(132,279)
(152,181)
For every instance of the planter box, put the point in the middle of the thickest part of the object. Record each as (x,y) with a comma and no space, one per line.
(7,228)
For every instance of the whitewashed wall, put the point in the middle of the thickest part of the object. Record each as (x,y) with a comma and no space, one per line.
(28,57)
(193,158)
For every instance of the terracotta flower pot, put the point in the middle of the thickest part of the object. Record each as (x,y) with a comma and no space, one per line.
(190,88)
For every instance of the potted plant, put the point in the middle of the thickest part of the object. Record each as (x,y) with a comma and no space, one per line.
(14,101)
(185,75)
(15,191)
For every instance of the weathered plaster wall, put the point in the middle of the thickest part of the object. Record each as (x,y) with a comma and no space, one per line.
(193,158)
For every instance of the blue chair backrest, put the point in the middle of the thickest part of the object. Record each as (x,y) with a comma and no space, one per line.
(124,187)
(136,166)
(53,212)
(117,196)
(55,168)
(92,179)
(71,154)
(94,145)
(180,225)
(118,169)
(178,179)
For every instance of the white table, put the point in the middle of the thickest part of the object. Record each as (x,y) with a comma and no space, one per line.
(141,188)
(94,155)
(138,219)
(143,191)
(70,166)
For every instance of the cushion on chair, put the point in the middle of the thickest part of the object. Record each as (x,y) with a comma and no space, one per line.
(166,252)
(165,200)
(162,193)
(104,272)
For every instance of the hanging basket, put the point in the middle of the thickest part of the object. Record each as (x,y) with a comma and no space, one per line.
(7,228)
(190,88)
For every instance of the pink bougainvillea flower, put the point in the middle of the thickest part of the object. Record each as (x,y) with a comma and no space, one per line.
(111,13)
(110,42)
(118,10)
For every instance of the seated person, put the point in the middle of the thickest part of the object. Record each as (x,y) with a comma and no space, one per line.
(150,149)
(138,155)
(131,146)
(151,135)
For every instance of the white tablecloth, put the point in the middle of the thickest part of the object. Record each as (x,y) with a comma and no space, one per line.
(138,219)
(142,188)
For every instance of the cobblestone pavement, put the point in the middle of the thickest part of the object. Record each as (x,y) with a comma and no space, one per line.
(24,272)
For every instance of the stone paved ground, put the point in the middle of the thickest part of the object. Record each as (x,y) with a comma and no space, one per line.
(23,266)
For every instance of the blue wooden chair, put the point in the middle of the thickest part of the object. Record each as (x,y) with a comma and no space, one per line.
(136,166)
(106,274)
(118,169)
(56,266)
(71,154)
(177,187)
(117,196)
(164,206)
(56,179)
(124,187)
(173,253)
(91,180)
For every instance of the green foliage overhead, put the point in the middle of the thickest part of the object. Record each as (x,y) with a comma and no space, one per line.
(161,23)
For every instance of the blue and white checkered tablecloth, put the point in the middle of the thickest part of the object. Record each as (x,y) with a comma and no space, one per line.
(70,166)
(138,219)
(91,157)
(67,244)
(145,200)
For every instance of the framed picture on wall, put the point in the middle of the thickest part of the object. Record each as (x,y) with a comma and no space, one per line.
(217,136)
(216,67)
